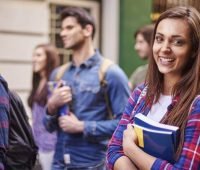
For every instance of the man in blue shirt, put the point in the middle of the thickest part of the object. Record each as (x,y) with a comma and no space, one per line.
(84,131)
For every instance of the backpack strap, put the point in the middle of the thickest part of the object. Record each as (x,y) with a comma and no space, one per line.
(106,63)
(61,71)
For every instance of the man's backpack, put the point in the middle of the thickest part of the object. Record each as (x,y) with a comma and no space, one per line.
(22,150)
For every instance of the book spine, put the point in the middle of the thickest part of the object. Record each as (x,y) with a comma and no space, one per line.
(139,133)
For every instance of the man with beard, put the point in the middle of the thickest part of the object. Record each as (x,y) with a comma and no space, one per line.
(84,131)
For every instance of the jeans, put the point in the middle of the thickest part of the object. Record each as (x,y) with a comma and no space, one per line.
(100,166)
(45,159)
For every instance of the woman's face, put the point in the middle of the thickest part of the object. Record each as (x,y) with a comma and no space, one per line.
(142,47)
(172,46)
(39,60)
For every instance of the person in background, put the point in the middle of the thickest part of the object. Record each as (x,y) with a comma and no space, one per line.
(143,38)
(45,58)
(84,131)
(173,77)
(4,121)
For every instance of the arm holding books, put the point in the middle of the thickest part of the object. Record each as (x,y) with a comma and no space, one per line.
(115,154)
(131,150)
(190,154)
(189,158)
(132,154)
(124,163)
(122,148)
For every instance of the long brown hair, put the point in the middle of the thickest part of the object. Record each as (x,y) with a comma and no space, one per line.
(52,61)
(188,86)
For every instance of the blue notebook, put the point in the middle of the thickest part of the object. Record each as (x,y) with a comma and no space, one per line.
(157,139)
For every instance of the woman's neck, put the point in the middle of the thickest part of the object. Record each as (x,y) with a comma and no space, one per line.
(41,85)
(169,83)
(167,90)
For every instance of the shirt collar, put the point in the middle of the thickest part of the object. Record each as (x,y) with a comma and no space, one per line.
(91,60)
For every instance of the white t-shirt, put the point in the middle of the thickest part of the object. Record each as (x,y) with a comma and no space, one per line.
(159,109)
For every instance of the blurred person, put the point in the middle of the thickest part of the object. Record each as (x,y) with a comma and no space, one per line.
(143,37)
(45,58)
(17,146)
(174,78)
(4,121)
(84,131)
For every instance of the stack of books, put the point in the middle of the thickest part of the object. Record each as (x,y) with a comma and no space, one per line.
(157,139)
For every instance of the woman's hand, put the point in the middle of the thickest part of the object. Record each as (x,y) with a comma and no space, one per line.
(133,152)
(129,140)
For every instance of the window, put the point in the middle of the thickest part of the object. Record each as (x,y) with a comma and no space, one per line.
(55,31)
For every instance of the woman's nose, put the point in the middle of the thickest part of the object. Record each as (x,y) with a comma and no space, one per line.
(166,47)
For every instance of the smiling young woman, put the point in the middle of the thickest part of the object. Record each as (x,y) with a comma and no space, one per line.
(174,70)
(44,59)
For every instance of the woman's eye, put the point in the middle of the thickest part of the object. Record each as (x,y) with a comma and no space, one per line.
(178,42)
(158,39)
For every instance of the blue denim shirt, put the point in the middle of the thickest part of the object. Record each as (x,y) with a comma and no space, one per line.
(88,104)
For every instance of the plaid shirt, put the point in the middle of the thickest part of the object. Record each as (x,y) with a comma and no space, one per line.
(4,109)
(190,155)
